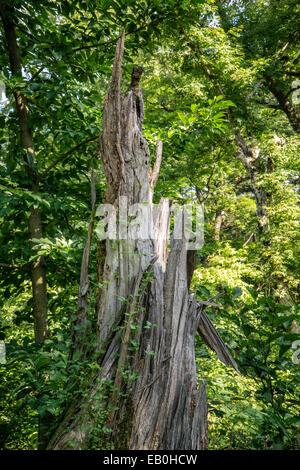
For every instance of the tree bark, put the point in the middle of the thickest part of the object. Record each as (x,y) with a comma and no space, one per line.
(38,268)
(284,103)
(248,154)
(218,224)
(147,318)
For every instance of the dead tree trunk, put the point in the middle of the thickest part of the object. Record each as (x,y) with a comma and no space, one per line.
(147,320)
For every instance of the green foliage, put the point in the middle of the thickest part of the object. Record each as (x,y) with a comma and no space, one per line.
(206,75)
(260,409)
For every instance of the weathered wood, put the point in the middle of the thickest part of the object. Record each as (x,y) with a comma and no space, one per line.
(154,174)
(213,340)
(79,326)
(146,286)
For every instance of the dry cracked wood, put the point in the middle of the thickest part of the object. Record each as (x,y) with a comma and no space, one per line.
(146,320)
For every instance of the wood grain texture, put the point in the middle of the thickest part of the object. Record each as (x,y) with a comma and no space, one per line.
(146,285)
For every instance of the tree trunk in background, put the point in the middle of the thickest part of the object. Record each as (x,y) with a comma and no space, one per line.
(248,155)
(284,103)
(218,224)
(37,267)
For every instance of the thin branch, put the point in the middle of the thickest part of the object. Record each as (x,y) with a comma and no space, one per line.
(291,91)
(14,266)
(247,241)
(155,172)
(36,74)
(64,156)
(162,106)
(290,41)
(265,103)
(209,304)
(91,46)
(84,281)
(9,186)
(31,101)
(216,296)
(293,74)
(30,35)
(81,319)
(170,110)
(198,193)
(110,41)
(67,221)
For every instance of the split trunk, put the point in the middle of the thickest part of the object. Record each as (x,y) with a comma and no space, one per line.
(147,318)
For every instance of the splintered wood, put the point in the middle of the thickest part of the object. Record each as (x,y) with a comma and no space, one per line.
(147,320)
